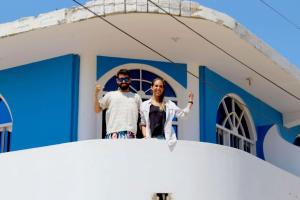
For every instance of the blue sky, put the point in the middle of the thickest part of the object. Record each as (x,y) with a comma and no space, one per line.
(253,14)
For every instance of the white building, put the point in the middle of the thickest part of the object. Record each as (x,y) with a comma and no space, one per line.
(247,97)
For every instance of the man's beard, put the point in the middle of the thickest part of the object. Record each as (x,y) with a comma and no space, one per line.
(124,86)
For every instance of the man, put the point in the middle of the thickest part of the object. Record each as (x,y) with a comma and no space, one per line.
(122,108)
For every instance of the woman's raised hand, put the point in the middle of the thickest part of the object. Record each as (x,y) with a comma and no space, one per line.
(191,96)
(98,88)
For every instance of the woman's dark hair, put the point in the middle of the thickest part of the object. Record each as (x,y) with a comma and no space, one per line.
(123,72)
(161,99)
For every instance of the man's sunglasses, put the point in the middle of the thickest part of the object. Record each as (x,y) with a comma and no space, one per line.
(126,80)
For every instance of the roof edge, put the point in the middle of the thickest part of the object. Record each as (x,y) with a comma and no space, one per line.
(175,7)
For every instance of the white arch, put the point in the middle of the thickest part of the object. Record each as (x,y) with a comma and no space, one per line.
(179,90)
(247,115)
(130,66)
(7,125)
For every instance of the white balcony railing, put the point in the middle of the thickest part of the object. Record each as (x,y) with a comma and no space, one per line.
(136,169)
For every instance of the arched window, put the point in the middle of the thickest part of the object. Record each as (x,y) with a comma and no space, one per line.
(233,125)
(5,126)
(141,84)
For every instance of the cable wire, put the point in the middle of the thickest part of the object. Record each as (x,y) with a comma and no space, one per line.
(224,51)
(124,32)
(280,14)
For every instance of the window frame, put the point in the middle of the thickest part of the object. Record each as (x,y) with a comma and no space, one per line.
(236,132)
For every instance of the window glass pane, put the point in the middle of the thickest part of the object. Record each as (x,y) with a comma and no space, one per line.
(227,125)
(146,75)
(228,104)
(235,119)
(238,141)
(132,90)
(245,126)
(240,131)
(135,85)
(146,86)
(238,110)
(221,115)
(234,141)
(247,147)
(169,91)
(111,85)
(134,74)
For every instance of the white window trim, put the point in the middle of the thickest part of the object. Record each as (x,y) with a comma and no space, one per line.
(246,114)
(8,126)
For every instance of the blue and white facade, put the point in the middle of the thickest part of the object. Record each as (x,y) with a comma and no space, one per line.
(46,92)
(43,102)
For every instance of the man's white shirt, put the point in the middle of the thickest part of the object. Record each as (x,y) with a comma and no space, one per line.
(122,111)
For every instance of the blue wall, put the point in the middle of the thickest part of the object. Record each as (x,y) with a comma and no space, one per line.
(43,98)
(213,88)
(175,70)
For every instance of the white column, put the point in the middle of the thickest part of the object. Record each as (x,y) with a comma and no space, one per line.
(86,114)
(192,124)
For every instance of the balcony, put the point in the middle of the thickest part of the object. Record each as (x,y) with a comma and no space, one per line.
(136,169)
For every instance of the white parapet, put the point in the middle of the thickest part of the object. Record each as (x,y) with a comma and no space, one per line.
(135,169)
(281,153)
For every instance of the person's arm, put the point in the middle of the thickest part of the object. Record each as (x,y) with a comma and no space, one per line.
(182,112)
(191,100)
(143,121)
(97,107)
(143,127)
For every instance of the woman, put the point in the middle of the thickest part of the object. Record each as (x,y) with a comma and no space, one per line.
(157,115)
